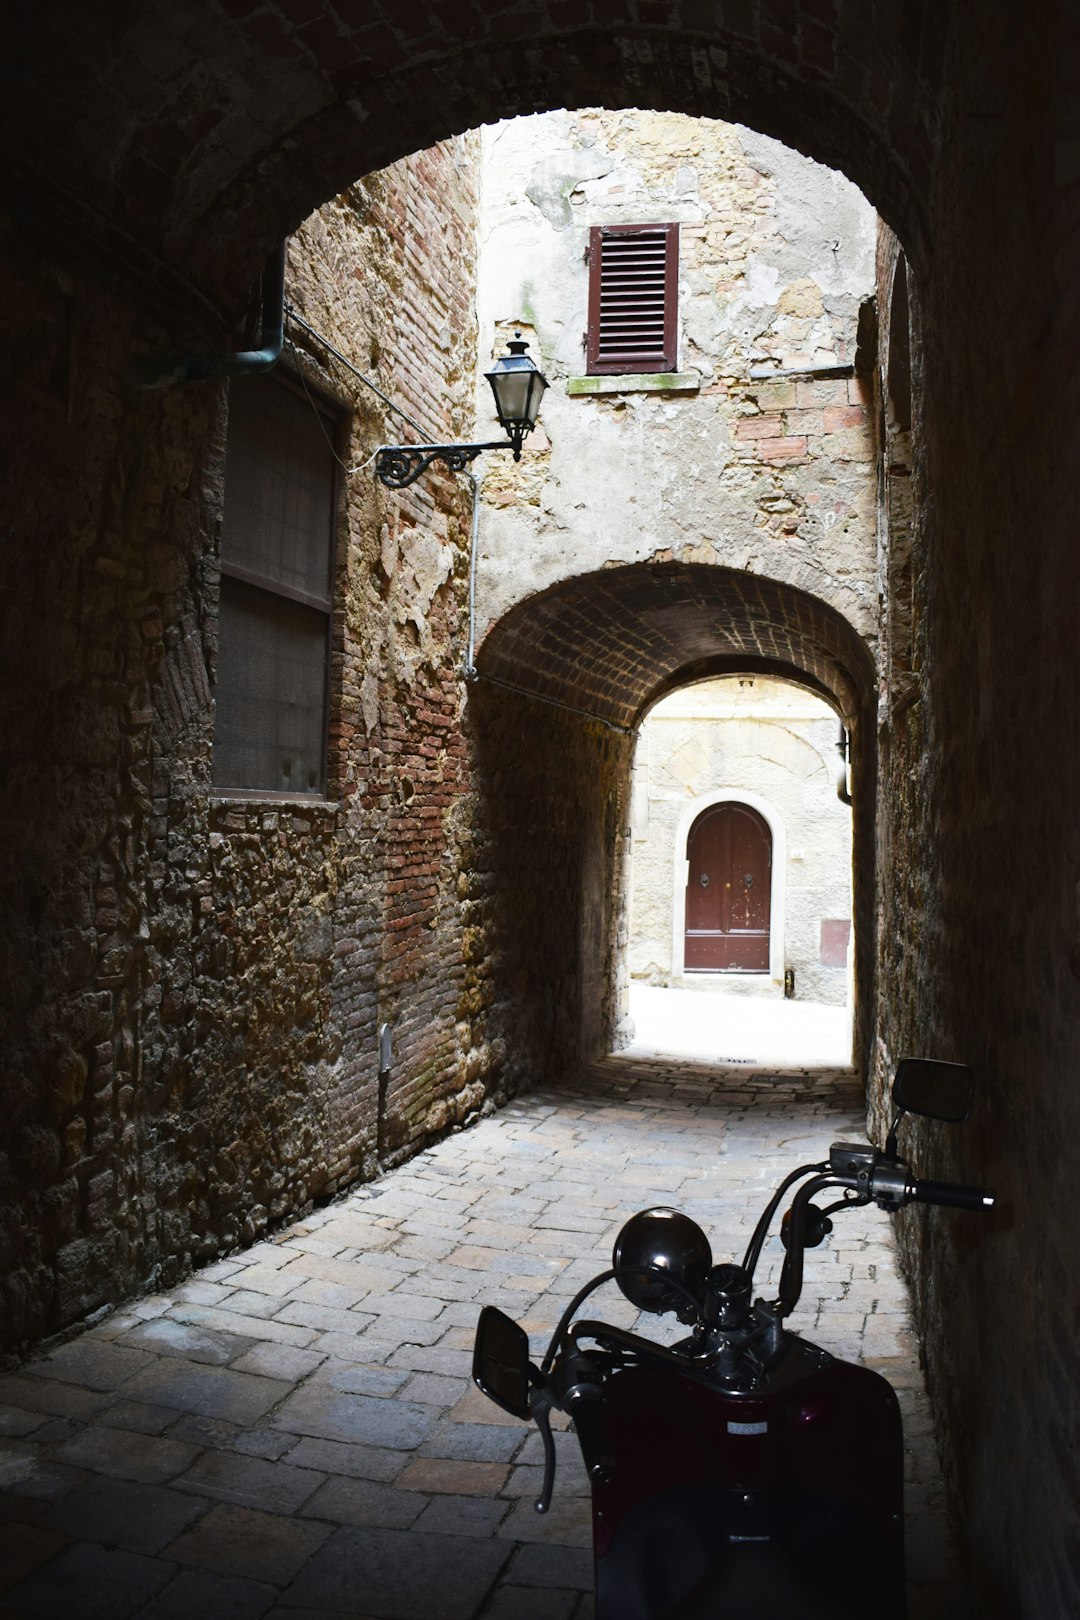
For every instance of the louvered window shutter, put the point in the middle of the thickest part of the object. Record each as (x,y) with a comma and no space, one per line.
(633,292)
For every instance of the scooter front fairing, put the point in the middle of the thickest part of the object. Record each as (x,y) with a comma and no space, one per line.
(783,1505)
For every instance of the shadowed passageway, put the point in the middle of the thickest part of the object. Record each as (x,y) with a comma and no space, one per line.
(294,1432)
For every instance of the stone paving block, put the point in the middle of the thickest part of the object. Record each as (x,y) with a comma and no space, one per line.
(246,1302)
(90,1583)
(201,1291)
(209,1391)
(526,1481)
(139,1518)
(145,1458)
(354,1229)
(328,1318)
(254,1546)
(366,1502)
(263,1254)
(477,1257)
(472,1442)
(275,1487)
(531,1603)
(402,1574)
(279,1361)
(462,1516)
(357,1379)
(51,1398)
(25,1470)
(434,1390)
(138,1417)
(564,1566)
(316,1291)
(391,1331)
(434,1358)
(346,1347)
(413,1246)
(454,1476)
(379,1271)
(568,1521)
(14,1422)
(269,1280)
(413,1307)
(351,1461)
(250,1327)
(23,1547)
(168,1337)
(330,1414)
(220,1270)
(476,1408)
(260,1441)
(90,1363)
(196,1595)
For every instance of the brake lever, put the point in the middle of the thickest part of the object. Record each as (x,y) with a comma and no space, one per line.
(541,1401)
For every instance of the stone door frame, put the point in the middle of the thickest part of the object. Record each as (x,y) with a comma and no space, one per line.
(680,875)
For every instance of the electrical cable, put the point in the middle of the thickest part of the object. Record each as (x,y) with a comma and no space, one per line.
(319,417)
(292,315)
(552,703)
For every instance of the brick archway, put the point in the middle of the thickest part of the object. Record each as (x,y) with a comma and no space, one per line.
(612,642)
(201,139)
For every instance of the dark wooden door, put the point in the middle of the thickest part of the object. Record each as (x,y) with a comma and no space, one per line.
(728,892)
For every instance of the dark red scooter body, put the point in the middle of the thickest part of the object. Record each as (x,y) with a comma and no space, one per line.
(786,1504)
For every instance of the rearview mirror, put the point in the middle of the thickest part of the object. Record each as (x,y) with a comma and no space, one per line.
(934,1090)
(501,1361)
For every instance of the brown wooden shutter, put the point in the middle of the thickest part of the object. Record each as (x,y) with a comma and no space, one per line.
(633,292)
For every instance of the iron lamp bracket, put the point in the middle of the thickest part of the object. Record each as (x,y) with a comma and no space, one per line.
(399,465)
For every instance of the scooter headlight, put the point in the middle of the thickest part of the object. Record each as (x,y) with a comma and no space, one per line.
(661,1258)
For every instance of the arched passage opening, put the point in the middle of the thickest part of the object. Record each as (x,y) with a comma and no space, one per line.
(564,679)
(739,920)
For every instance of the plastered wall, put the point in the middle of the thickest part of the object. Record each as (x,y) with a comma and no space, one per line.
(715,463)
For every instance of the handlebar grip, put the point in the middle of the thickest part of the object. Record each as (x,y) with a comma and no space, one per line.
(948,1193)
(594,1437)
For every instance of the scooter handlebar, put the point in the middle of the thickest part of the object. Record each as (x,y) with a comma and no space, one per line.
(951,1195)
(594,1437)
(579,1390)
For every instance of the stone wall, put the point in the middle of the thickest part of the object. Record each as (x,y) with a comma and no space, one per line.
(773,742)
(194,984)
(978,830)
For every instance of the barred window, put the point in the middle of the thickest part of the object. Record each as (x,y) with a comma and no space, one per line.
(277,557)
(633,298)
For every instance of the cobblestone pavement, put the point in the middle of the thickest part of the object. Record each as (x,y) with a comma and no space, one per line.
(293,1433)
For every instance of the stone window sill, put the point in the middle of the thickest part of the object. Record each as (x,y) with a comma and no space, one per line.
(646,382)
(257,796)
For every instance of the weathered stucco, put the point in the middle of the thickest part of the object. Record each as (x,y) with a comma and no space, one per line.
(776,258)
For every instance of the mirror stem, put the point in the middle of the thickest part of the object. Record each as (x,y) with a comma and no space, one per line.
(891,1144)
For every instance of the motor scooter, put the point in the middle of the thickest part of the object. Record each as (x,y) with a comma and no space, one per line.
(741,1473)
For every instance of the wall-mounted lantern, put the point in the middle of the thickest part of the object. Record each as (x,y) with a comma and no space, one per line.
(518,386)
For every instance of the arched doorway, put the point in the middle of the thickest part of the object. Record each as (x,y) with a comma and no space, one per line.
(727,906)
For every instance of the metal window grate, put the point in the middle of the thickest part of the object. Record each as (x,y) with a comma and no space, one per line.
(633,292)
(277,568)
